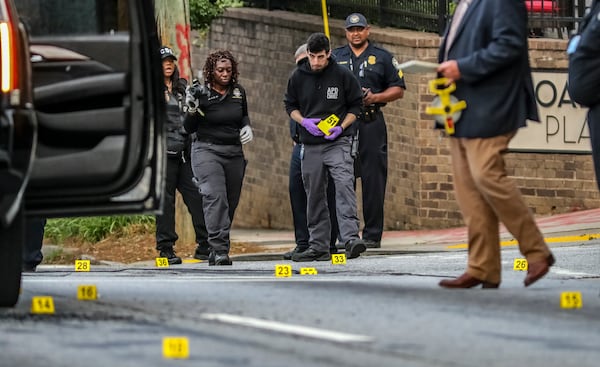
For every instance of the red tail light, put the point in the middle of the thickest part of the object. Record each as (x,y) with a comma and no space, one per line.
(8,52)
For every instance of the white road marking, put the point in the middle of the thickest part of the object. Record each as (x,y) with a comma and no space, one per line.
(287,328)
(574,274)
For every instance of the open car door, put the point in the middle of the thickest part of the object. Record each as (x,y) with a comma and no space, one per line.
(97,98)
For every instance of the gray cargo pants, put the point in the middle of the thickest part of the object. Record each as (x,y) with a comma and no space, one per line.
(318,160)
(219,170)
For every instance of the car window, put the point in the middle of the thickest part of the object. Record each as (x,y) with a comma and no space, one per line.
(68,17)
(81,61)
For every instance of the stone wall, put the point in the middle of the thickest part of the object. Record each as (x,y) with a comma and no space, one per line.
(420,190)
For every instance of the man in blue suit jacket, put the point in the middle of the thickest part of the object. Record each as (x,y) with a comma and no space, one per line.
(584,75)
(485,52)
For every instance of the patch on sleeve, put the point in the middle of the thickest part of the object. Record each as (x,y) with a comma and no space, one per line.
(397,66)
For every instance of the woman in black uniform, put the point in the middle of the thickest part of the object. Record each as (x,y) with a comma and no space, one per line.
(222,125)
(179,170)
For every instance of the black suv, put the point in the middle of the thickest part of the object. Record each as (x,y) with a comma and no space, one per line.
(81,116)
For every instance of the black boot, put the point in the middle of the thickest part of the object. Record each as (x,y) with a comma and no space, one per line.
(296,250)
(202,252)
(219,259)
(169,253)
(354,248)
(222,259)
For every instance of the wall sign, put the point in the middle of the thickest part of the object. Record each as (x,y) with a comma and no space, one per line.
(563,126)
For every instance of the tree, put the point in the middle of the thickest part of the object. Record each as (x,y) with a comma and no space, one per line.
(202,12)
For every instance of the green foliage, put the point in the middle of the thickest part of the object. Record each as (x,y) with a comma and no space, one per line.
(451,8)
(202,12)
(93,229)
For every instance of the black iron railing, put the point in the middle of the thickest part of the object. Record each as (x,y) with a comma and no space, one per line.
(432,15)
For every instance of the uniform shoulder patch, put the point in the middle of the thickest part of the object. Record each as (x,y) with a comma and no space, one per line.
(397,67)
(237,93)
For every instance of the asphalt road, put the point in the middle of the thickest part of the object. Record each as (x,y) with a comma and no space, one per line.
(373,311)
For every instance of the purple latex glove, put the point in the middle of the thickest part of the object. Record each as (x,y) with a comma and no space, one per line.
(310,124)
(334,132)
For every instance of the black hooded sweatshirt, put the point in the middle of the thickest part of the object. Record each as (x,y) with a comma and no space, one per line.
(334,90)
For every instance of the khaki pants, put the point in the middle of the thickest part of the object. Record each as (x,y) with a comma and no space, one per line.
(486,196)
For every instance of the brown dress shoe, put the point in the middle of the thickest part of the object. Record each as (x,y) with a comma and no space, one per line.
(466,281)
(537,270)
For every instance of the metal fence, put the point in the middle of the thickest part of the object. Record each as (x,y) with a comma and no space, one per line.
(432,15)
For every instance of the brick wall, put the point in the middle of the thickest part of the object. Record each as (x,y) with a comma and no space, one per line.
(420,192)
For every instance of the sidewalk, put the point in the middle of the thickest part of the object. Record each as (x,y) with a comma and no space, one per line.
(570,227)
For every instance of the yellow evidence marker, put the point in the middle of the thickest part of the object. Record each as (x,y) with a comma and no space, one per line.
(571,300)
(520,265)
(162,262)
(283,271)
(191,261)
(82,265)
(87,293)
(176,347)
(308,271)
(42,305)
(326,124)
(338,259)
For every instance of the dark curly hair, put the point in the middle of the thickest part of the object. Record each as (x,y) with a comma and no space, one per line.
(211,63)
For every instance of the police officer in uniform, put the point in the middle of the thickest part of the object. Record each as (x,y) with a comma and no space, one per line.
(584,75)
(179,170)
(381,82)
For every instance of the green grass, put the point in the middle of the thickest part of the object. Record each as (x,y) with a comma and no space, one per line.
(94,229)
(54,256)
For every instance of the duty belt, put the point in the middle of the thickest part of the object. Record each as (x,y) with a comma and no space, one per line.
(369,113)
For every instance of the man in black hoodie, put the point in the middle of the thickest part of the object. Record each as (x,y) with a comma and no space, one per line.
(297,192)
(319,91)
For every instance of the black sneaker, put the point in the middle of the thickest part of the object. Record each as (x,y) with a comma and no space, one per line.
(169,253)
(354,248)
(296,250)
(372,244)
(311,255)
(219,259)
(202,252)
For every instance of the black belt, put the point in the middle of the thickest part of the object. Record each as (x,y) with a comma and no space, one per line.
(216,141)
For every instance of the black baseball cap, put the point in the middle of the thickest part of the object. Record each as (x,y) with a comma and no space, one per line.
(356,20)
(166,52)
